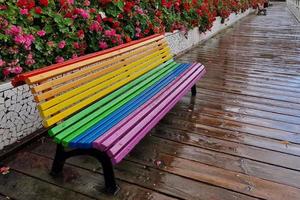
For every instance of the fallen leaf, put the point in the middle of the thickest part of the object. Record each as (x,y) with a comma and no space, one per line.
(286,143)
(4,170)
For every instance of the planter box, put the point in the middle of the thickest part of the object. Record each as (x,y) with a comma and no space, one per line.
(19,116)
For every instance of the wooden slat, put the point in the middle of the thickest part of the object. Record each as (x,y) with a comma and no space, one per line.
(45,75)
(87,70)
(20,79)
(69,111)
(86,123)
(62,101)
(86,112)
(131,139)
(114,134)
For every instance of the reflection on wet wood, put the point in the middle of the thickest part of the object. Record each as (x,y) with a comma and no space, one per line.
(238,139)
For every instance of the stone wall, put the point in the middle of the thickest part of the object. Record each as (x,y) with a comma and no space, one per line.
(19,116)
(294,7)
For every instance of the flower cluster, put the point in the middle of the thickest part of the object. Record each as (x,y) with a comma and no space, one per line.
(36,33)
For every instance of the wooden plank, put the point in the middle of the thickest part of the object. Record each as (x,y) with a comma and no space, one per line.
(147,151)
(227,135)
(106,80)
(19,186)
(250,87)
(233,107)
(247,118)
(234,181)
(85,182)
(92,59)
(117,131)
(238,99)
(86,112)
(247,128)
(77,131)
(153,178)
(131,139)
(18,80)
(88,69)
(232,148)
(255,93)
(110,66)
(69,111)
(86,139)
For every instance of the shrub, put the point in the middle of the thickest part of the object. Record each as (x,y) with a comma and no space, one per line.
(36,33)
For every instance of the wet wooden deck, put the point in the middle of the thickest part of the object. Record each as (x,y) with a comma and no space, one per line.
(239,139)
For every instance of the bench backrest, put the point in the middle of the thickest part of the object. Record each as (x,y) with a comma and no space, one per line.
(63,91)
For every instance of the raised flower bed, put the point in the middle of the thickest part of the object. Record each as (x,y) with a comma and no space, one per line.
(38,33)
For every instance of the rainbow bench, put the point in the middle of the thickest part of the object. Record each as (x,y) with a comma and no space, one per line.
(103,104)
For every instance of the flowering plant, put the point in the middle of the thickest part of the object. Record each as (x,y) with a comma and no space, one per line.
(37,33)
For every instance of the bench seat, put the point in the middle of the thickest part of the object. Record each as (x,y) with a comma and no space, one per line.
(101,126)
(104,103)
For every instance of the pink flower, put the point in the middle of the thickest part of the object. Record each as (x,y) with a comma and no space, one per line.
(6,71)
(25,40)
(139,10)
(2,63)
(29,60)
(62,44)
(24,11)
(76,45)
(86,3)
(59,59)
(103,45)
(84,14)
(14,30)
(74,56)
(110,33)
(95,26)
(41,33)
(3,7)
(16,70)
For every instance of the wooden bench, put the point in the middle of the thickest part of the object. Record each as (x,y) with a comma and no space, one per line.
(104,103)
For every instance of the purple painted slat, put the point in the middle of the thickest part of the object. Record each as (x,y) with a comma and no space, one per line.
(117,152)
(109,138)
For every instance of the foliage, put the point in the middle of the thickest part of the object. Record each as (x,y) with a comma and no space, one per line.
(36,33)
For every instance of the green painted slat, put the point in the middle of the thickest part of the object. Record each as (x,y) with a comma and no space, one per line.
(65,138)
(58,128)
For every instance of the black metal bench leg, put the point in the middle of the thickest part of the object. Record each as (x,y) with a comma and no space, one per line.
(59,161)
(109,176)
(194,90)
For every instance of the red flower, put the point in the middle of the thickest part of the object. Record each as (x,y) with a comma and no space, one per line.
(80,34)
(44,3)
(26,4)
(128,6)
(146,31)
(38,10)
(116,24)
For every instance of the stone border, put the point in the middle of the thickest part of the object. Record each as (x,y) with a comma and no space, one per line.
(19,116)
(294,7)
(180,43)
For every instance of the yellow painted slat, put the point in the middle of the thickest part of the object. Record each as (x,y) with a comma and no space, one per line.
(67,95)
(90,88)
(63,114)
(93,76)
(86,70)
(77,65)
